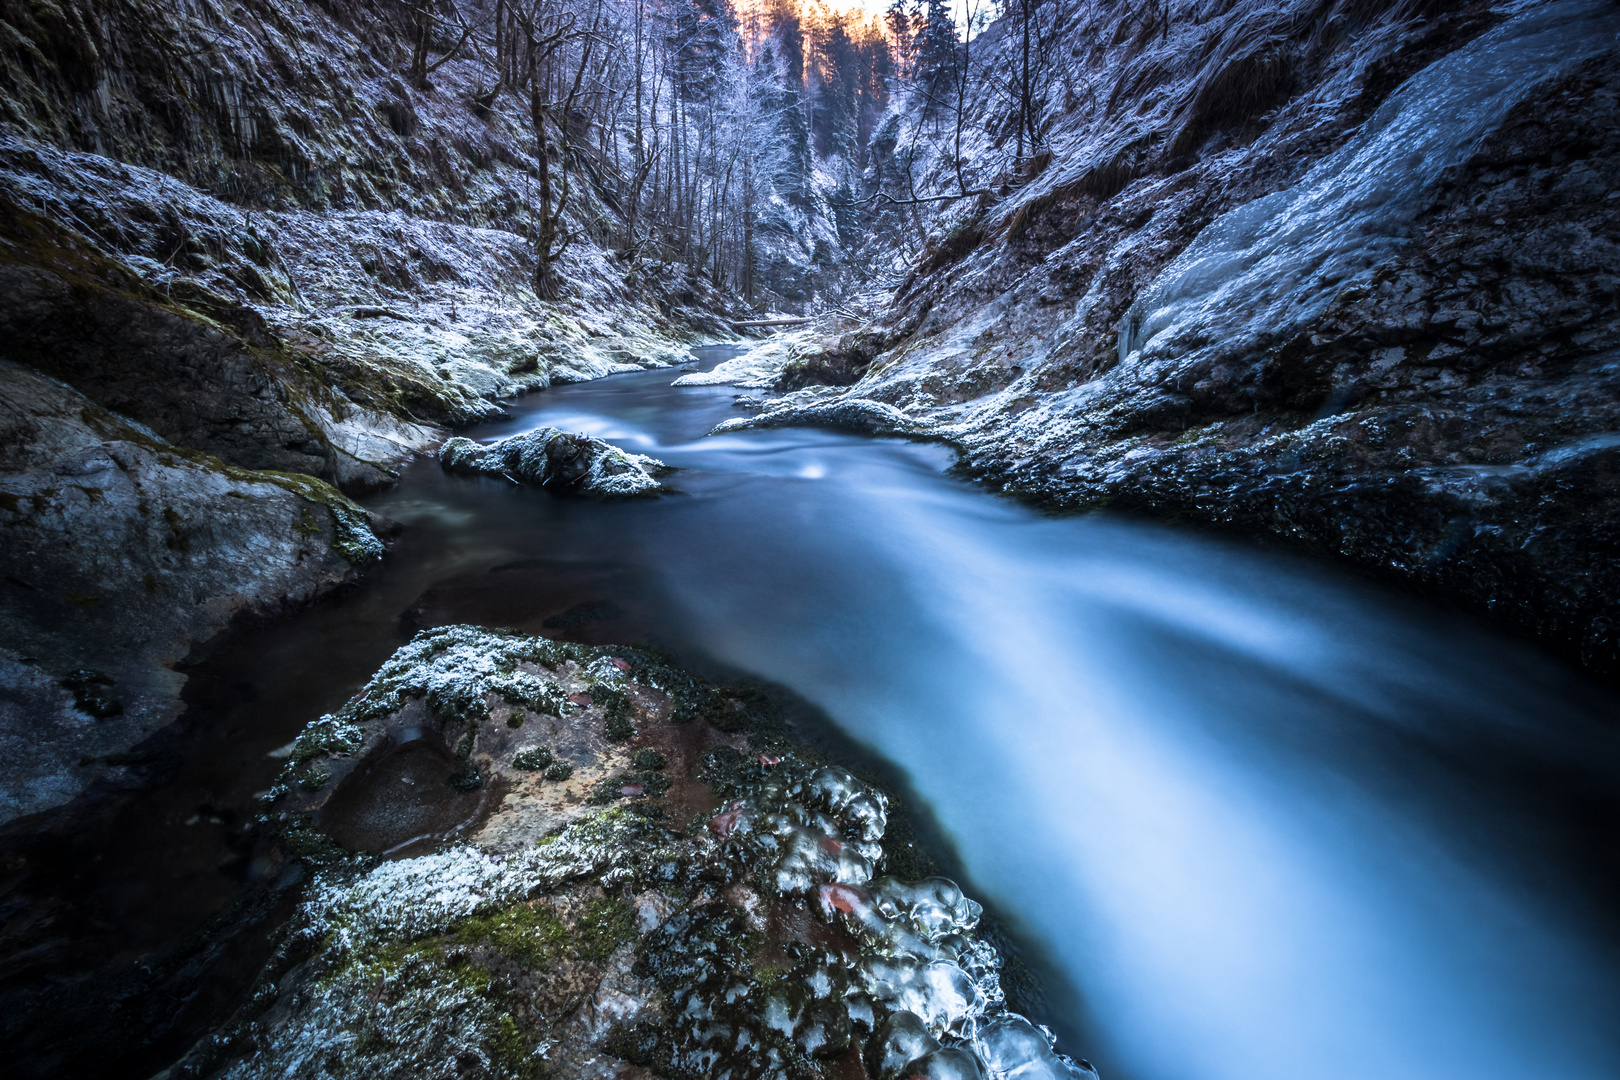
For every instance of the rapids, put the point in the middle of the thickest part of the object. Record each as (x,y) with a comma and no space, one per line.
(1262,821)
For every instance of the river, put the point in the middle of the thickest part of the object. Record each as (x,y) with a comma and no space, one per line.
(1257,820)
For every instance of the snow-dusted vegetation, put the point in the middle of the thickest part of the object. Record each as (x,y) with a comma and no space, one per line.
(1339,273)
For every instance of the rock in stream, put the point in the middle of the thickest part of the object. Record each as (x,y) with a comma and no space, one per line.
(572,861)
(554,459)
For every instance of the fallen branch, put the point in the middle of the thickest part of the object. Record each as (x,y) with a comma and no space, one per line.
(892,201)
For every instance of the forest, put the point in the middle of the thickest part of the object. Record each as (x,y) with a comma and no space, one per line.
(719,135)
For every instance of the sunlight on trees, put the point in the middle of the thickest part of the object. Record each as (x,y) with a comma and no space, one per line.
(726,136)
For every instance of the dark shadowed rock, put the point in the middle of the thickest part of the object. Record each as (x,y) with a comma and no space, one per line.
(118,551)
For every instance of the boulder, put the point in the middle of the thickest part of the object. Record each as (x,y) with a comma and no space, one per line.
(559,461)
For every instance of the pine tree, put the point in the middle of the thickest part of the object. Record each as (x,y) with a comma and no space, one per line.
(835,120)
(792,177)
(936,48)
(700,36)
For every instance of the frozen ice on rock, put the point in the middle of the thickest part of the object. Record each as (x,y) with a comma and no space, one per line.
(909,984)
(933,906)
(938,992)
(948,1063)
(902,1039)
(1014,1049)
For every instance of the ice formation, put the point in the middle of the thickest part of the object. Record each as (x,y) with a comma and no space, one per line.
(906,981)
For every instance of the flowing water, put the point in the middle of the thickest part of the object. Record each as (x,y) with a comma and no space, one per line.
(1266,822)
(1262,821)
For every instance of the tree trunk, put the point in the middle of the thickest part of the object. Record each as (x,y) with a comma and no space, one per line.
(546,286)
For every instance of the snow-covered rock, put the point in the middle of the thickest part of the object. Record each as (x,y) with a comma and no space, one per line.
(563,463)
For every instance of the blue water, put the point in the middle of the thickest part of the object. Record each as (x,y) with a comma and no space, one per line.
(1266,822)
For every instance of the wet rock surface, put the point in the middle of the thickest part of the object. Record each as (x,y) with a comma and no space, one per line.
(118,551)
(691,897)
(561,462)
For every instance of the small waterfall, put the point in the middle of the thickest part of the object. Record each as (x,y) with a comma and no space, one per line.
(1258,273)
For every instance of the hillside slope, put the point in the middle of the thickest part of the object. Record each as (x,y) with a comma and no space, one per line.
(1341,274)
(253,255)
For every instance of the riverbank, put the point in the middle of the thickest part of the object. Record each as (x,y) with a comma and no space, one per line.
(1371,318)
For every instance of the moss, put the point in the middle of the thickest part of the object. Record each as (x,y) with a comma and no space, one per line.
(1195,435)
(328,735)
(533,759)
(558,770)
(653,785)
(616,712)
(314,779)
(311,845)
(426,961)
(514,1053)
(649,758)
(527,934)
(516,719)
(603,926)
(464,745)
(352,537)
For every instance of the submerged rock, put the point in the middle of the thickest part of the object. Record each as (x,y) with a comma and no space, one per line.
(697,899)
(562,462)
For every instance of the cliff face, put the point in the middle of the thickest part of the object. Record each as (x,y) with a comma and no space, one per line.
(353,247)
(240,233)
(1337,274)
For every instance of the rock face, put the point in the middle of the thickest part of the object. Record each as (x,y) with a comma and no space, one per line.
(564,463)
(119,550)
(1370,308)
(634,872)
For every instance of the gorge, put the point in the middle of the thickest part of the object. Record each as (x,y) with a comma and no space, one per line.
(443,636)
